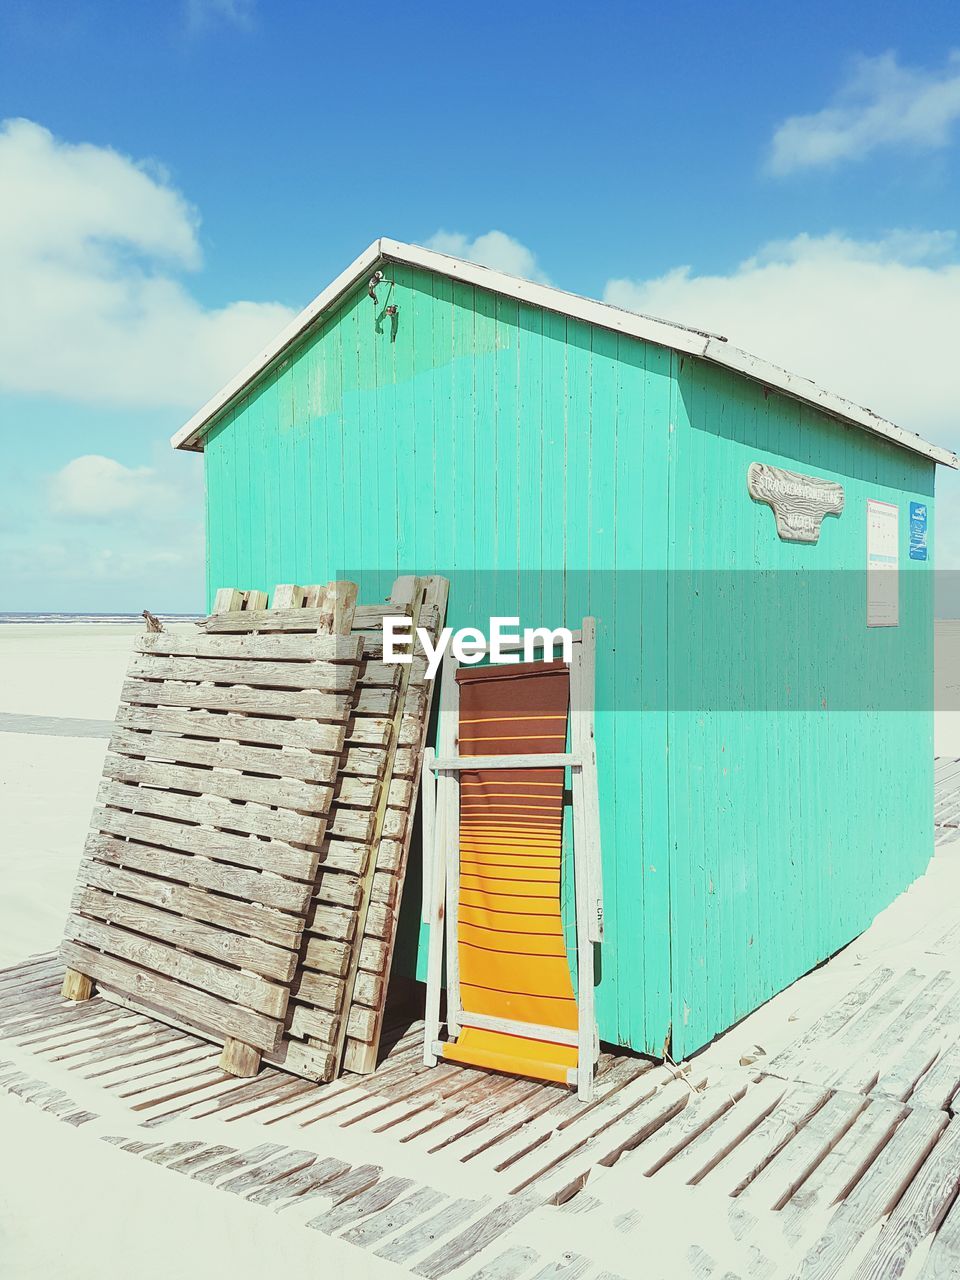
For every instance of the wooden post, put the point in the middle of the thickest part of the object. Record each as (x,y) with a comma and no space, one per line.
(448,802)
(411,591)
(76,986)
(239,1059)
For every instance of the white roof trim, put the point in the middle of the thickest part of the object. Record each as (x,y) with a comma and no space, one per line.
(663,333)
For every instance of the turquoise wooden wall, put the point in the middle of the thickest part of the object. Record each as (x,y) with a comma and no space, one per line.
(554,469)
(801,742)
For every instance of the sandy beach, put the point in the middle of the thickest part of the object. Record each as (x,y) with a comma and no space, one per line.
(59,688)
(59,685)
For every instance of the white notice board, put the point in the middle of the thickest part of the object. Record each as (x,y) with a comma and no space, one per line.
(883,564)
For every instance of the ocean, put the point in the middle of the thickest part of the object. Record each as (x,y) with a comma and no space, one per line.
(111,618)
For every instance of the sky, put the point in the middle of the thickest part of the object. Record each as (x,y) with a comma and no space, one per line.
(177,179)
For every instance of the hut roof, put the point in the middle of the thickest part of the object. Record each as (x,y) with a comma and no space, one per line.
(664,333)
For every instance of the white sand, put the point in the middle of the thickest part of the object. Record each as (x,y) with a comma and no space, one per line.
(71,1206)
(79,1209)
(65,668)
(946,721)
(75,1208)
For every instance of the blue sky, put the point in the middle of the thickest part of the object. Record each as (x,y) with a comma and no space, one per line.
(176,178)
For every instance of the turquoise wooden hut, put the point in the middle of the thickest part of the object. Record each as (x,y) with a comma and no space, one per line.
(764,703)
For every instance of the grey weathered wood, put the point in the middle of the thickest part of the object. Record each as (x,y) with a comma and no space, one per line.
(697,1158)
(235,1163)
(938,1087)
(285,1165)
(307,797)
(789,1059)
(874,1195)
(799,501)
(697,1115)
(775,1184)
(507,1265)
(113,866)
(196,1007)
(453,1253)
(353,1182)
(206,842)
(247,989)
(943,1260)
(262,702)
(236,948)
(275,762)
(300,1184)
(375,1198)
(564,1173)
(292,646)
(325,677)
(310,735)
(862,1072)
(393,1217)
(569,1267)
(918,1212)
(280,826)
(753,1154)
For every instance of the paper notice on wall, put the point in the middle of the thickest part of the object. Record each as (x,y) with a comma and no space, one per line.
(883,564)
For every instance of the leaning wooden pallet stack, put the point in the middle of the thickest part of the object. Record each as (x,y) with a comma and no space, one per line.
(200,867)
(339,991)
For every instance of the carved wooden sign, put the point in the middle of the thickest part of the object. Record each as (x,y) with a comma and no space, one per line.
(799,502)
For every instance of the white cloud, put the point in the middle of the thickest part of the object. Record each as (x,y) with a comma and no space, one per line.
(109,536)
(492,249)
(91,307)
(881,104)
(875,321)
(98,488)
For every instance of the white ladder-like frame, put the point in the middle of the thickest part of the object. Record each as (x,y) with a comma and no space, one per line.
(440,788)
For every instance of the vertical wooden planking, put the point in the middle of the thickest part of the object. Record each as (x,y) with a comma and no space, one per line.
(487,457)
(815,818)
(628,915)
(444,460)
(530,473)
(553,401)
(576,553)
(337,488)
(316,451)
(463,439)
(407,484)
(623,918)
(383,457)
(350,545)
(506,544)
(552,446)
(648,477)
(422,542)
(365,394)
(553,425)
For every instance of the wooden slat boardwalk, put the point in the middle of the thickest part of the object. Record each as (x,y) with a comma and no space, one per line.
(835,1153)
(946,800)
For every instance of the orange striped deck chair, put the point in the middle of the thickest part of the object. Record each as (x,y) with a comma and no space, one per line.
(493,804)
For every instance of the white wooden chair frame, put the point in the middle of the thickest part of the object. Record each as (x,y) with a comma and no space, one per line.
(440,786)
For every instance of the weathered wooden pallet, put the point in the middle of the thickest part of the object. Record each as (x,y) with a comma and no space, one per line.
(339,989)
(197,876)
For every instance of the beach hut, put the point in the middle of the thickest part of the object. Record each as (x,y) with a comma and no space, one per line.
(754,550)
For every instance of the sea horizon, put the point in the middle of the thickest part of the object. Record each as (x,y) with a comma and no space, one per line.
(53,616)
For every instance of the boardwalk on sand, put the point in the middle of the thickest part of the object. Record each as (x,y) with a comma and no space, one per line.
(833,1153)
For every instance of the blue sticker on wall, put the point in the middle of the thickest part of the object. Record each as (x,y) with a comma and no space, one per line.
(918,531)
